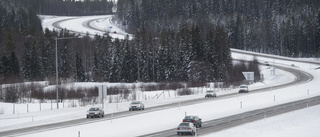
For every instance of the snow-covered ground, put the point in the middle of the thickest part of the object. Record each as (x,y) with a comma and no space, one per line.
(300,123)
(294,124)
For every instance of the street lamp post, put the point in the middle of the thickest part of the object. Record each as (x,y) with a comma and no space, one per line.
(57,65)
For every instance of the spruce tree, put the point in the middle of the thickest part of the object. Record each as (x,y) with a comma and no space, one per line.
(129,69)
(64,60)
(79,69)
(115,66)
(10,61)
(26,64)
(36,68)
(47,53)
(317,35)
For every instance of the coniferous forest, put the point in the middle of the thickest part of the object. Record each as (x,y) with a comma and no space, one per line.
(282,27)
(175,40)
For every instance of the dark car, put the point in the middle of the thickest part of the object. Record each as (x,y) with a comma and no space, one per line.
(193,119)
(185,128)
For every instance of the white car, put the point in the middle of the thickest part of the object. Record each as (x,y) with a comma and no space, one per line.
(136,105)
(186,128)
(243,89)
(210,93)
(95,112)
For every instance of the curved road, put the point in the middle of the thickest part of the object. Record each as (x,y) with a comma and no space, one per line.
(86,24)
(58,26)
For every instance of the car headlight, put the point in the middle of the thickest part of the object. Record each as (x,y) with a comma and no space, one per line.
(96,112)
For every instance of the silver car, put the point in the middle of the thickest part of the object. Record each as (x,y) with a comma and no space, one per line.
(95,112)
(136,105)
(210,93)
(186,128)
(243,89)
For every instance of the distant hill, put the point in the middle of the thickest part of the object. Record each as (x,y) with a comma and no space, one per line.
(281,27)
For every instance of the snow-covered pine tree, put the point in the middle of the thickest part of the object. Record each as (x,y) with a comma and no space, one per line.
(79,69)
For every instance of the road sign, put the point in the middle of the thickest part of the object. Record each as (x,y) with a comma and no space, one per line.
(248,75)
(102,94)
(102,91)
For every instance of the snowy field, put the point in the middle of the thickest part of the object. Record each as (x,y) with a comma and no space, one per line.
(299,123)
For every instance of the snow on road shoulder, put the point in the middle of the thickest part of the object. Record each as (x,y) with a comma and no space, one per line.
(300,123)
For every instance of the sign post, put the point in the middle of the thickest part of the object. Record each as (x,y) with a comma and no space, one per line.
(102,94)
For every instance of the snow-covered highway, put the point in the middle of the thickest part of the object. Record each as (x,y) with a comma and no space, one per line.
(167,116)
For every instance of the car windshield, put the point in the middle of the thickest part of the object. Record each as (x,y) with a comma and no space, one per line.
(184,124)
(93,109)
(210,91)
(243,86)
(135,102)
(189,117)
